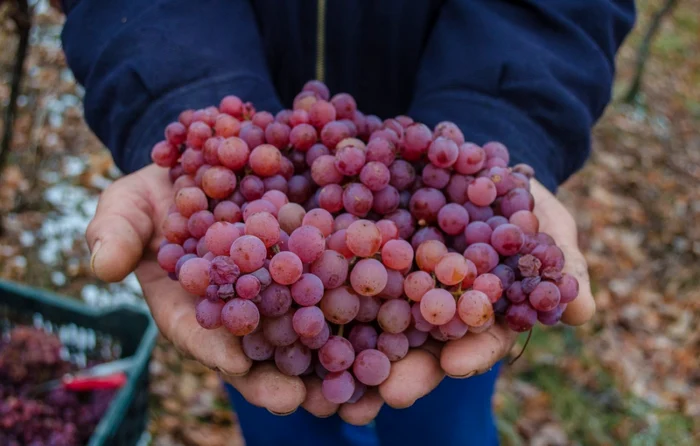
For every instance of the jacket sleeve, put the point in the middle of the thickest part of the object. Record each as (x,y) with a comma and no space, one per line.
(533,74)
(142,62)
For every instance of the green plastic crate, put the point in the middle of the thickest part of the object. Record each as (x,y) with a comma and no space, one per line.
(131,327)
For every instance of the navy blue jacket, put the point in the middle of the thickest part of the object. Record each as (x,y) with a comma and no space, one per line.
(534,74)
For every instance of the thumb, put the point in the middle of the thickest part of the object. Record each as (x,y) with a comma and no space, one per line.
(558,222)
(120,229)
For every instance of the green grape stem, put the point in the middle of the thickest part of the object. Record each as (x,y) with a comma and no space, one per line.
(527,341)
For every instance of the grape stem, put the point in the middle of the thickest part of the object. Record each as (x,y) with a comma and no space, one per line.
(529,335)
(276,249)
(347,181)
(340,330)
(458,292)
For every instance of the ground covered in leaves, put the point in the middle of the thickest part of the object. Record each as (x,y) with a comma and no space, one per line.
(632,376)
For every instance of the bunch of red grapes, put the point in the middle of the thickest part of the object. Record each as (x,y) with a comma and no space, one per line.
(332,241)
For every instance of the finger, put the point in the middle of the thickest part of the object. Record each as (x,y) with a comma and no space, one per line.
(265,386)
(476,353)
(413,377)
(556,221)
(364,410)
(432,346)
(580,310)
(173,311)
(315,403)
(120,229)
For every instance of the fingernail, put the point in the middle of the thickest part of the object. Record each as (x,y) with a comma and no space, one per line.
(225,373)
(95,249)
(281,414)
(468,375)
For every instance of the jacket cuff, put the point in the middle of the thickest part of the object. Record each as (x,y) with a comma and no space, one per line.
(149,128)
(483,118)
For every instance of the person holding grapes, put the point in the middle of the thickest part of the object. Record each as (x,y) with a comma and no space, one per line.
(535,75)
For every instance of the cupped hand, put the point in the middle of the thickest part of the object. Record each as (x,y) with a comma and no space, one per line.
(124,236)
(422,369)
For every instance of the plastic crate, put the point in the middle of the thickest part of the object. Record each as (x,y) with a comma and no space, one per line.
(131,329)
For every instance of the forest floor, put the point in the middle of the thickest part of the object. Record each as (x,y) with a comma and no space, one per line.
(630,377)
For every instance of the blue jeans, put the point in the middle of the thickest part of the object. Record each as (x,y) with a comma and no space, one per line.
(457,412)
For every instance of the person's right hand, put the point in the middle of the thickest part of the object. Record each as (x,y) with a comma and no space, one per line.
(124,236)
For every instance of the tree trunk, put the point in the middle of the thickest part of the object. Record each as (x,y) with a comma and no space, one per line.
(645,49)
(22,19)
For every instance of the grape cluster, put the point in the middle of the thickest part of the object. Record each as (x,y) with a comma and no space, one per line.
(62,418)
(30,356)
(332,241)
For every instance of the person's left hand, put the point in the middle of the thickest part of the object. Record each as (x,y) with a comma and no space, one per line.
(423,369)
